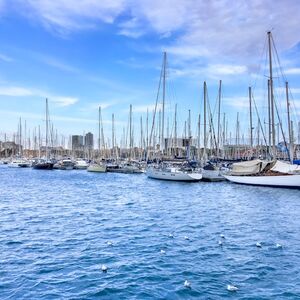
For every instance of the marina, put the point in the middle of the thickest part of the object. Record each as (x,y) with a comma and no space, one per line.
(149,150)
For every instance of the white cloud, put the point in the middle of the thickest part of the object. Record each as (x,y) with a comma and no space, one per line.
(54,62)
(15,91)
(292,71)
(64,101)
(4,57)
(65,16)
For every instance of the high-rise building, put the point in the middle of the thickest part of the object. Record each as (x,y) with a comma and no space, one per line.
(77,142)
(89,141)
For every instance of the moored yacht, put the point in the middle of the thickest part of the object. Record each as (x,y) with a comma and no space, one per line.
(173,174)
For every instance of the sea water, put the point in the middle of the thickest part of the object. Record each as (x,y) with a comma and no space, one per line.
(57,229)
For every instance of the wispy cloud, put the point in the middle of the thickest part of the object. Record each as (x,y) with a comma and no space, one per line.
(292,71)
(17,91)
(64,16)
(56,63)
(5,57)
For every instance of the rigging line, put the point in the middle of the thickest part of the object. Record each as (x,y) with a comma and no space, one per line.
(259,122)
(284,76)
(280,123)
(261,59)
(156,102)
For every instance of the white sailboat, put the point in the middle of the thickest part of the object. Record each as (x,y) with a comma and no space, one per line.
(268,173)
(173,174)
(264,173)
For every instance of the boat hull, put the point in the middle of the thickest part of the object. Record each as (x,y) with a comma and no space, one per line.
(174,176)
(97,169)
(212,175)
(289,181)
(43,166)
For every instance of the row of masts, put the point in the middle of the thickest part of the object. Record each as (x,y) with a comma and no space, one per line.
(155,141)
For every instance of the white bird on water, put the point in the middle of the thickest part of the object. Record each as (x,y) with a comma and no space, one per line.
(279,246)
(222,236)
(258,245)
(220,243)
(104,268)
(171,235)
(231,288)
(109,243)
(186,237)
(162,251)
(187,284)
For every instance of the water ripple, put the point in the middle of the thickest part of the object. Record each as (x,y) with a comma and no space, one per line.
(55,228)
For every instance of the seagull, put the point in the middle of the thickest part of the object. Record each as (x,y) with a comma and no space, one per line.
(104,268)
(109,243)
(186,238)
(171,235)
(187,284)
(231,288)
(279,246)
(222,236)
(162,251)
(258,245)
(220,243)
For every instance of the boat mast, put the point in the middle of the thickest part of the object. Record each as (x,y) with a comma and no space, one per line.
(47,128)
(175,131)
(291,148)
(219,111)
(251,127)
(130,131)
(163,103)
(99,132)
(271,93)
(113,135)
(204,120)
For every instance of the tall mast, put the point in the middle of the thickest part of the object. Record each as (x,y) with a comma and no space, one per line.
(113,133)
(163,103)
(204,120)
(147,129)
(291,148)
(175,131)
(47,128)
(251,127)
(130,130)
(99,131)
(271,92)
(219,111)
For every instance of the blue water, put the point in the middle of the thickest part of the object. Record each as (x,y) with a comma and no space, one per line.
(55,225)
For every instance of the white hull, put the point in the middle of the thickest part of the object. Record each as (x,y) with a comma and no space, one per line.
(96,168)
(174,176)
(292,181)
(212,175)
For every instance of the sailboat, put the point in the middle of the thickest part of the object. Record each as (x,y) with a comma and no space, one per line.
(44,164)
(272,173)
(165,171)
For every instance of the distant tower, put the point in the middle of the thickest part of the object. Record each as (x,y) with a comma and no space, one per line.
(89,141)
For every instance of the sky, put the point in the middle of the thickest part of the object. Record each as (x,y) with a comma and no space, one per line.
(90,53)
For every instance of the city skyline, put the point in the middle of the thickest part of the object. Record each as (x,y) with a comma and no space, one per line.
(109,54)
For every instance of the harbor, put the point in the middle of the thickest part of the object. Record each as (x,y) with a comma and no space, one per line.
(149,150)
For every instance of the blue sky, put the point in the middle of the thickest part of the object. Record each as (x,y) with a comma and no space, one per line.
(82,54)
